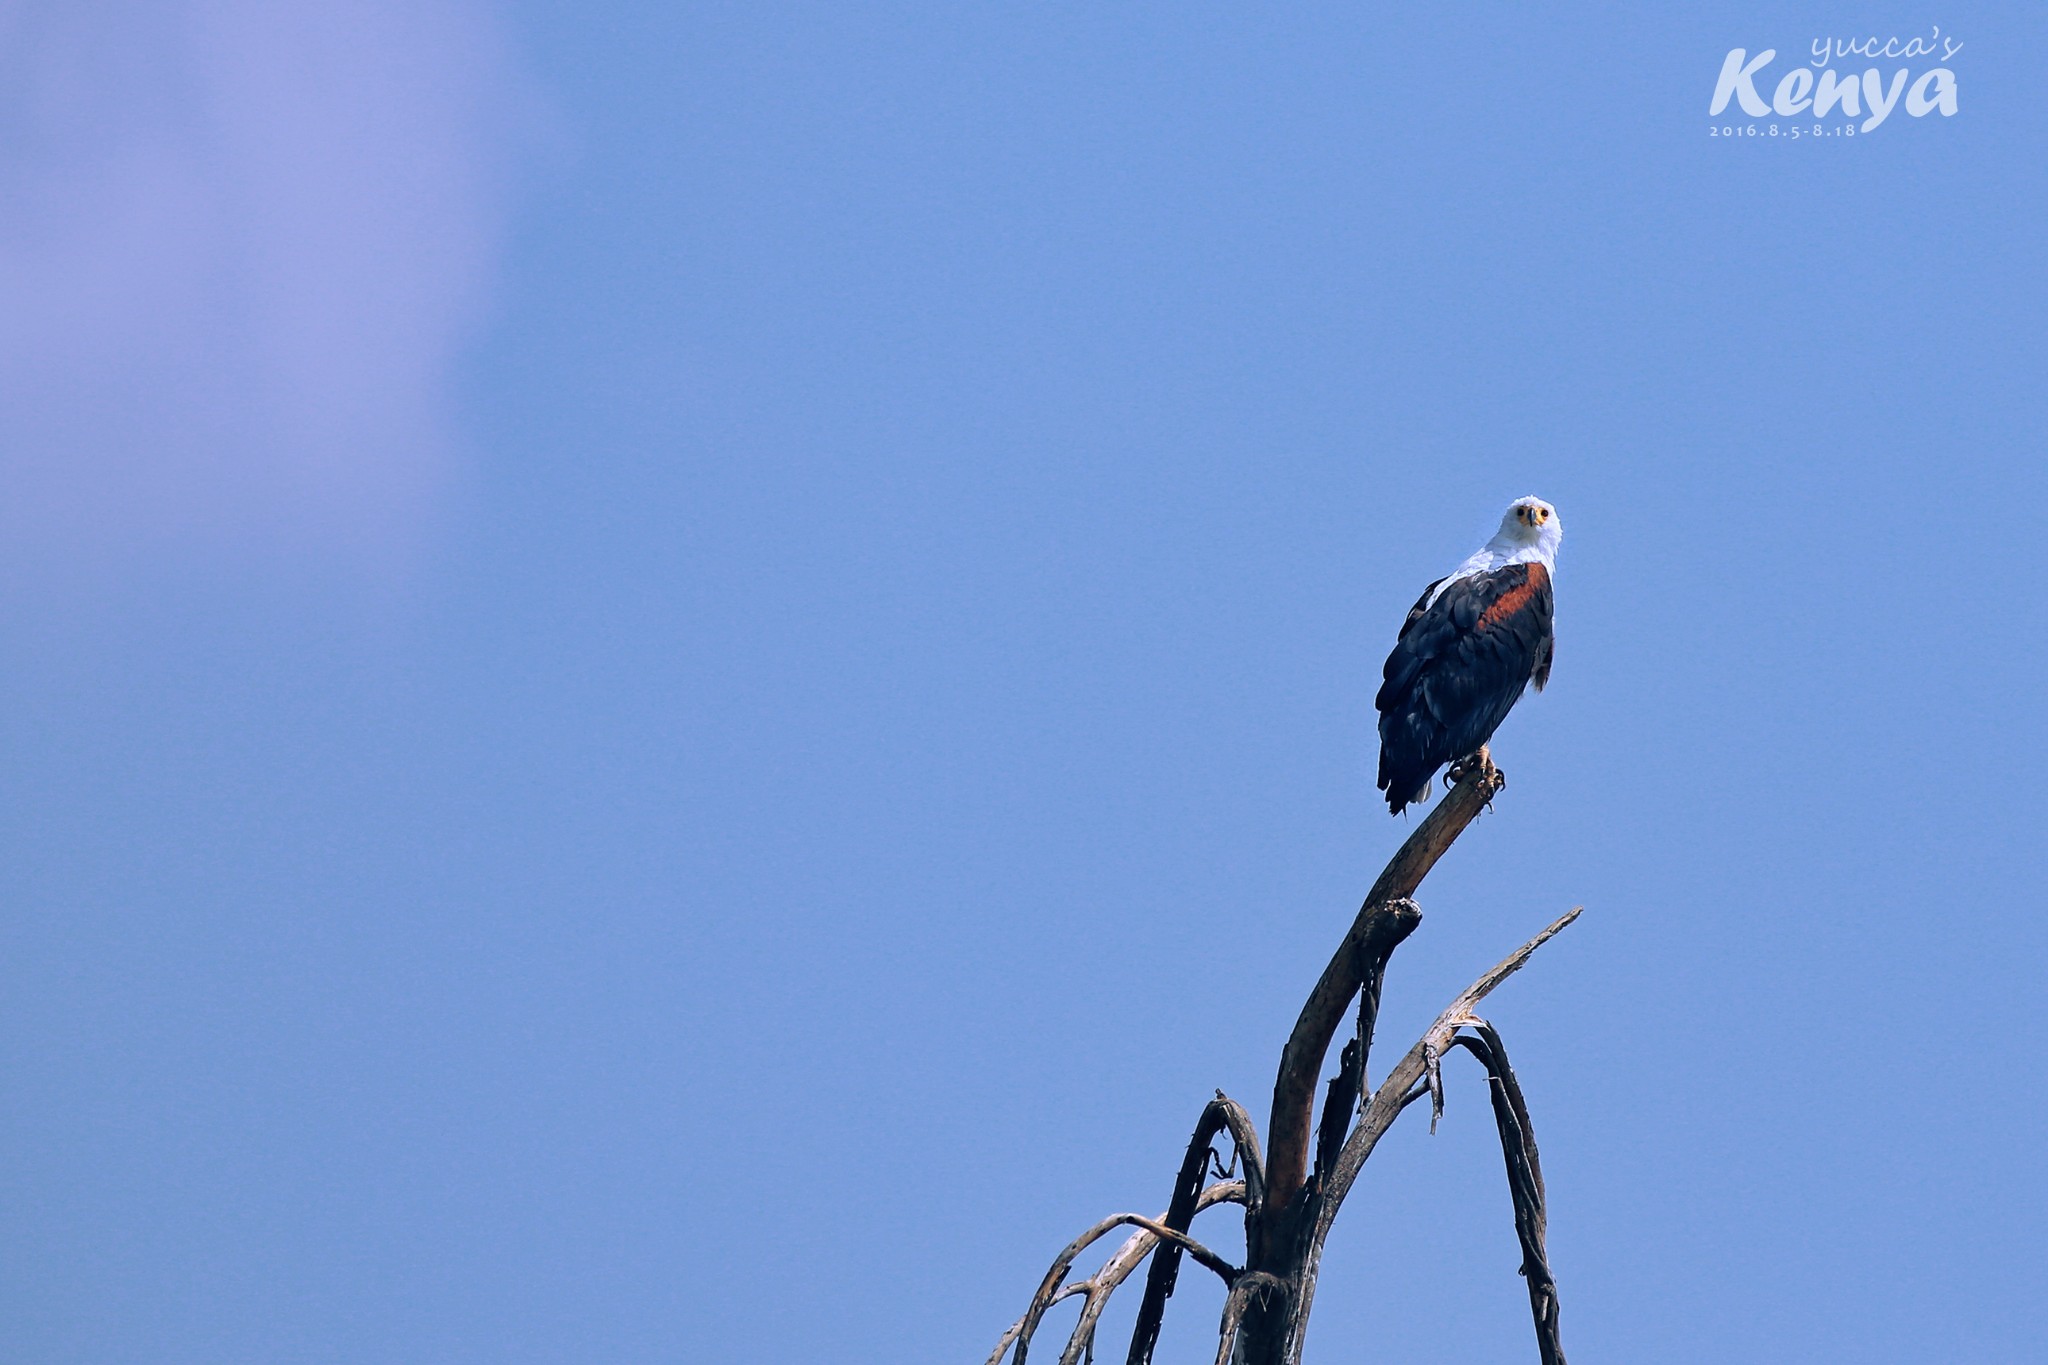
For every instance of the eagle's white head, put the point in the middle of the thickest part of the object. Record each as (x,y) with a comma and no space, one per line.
(1528,530)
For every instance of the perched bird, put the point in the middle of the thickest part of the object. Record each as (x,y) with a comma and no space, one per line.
(1470,645)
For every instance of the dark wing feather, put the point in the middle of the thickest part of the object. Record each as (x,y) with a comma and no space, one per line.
(1418,611)
(1403,664)
(1457,668)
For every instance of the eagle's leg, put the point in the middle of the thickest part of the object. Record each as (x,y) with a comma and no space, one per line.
(1481,763)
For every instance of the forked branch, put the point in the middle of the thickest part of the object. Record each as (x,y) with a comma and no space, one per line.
(1407,1082)
(1386,917)
(1391,1096)
(1104,1282)
(1222,1113)
(1288,1210)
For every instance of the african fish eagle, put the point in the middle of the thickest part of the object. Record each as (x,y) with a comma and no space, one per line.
(1470,644)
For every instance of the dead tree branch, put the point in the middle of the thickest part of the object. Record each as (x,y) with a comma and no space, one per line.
(1104,1282)
(1348,1085)
(1289,1208)
(1405,1084)
(1118,1268)
(1250,1286)
(1392,1095)
(1386,917)
(1525,1182)
(1222,1113)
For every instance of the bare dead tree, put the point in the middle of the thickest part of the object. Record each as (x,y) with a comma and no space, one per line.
(1291,1195)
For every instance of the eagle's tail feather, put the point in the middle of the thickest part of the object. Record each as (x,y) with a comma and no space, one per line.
(1397,800)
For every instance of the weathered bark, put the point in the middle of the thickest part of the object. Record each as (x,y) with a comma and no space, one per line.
(1410,1080)
(1290,1208)
(1053,1287)
(1222,1113)
(1386,917)
(1104,1282)
(1525,1183)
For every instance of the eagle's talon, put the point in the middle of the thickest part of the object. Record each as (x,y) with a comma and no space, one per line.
(1480,762)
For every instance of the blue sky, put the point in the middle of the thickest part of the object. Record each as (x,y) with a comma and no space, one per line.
(678,679)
